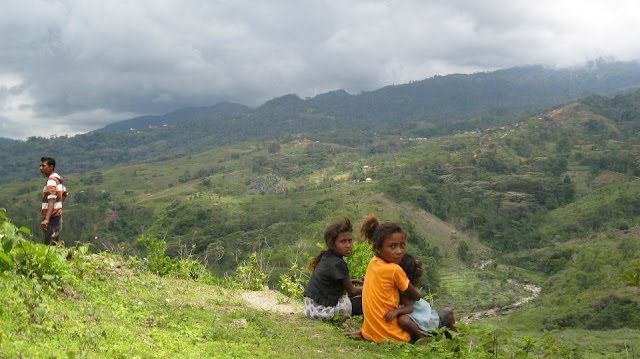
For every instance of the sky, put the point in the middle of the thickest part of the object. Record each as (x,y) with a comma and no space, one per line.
(68,67)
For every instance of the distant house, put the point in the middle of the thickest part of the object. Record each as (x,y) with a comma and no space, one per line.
(368,179)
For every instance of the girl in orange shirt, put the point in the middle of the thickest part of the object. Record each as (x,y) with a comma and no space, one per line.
(383,282)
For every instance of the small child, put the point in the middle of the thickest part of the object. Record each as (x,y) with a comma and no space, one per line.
(324,296)
(420,311)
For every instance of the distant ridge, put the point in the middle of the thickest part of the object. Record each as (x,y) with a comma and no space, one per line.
(4,140)
(459,96)
(222,109)
(431,107)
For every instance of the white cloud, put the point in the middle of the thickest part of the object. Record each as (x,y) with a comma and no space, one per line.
(82,64)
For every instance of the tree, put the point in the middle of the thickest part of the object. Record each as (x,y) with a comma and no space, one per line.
(274,147)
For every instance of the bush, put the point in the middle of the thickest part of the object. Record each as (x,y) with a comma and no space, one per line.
(463,251)
(30,260)
(632,274)
(36,268)
(608,312)
(249,275)
(192,269)
(157,261)
(292,285)
(359,259)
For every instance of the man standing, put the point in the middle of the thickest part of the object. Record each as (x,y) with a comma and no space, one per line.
(53,194)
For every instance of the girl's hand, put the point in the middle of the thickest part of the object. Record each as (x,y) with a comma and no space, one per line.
(391,315)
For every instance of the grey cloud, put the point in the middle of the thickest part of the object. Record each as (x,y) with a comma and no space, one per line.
(83,64)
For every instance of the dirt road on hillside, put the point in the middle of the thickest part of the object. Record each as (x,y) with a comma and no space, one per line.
(533,289)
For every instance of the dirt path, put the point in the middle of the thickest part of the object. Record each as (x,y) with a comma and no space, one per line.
(533,289)
(272,301)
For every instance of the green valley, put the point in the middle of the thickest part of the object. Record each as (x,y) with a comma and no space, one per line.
(550,202)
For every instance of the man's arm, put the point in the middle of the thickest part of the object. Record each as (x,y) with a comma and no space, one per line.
(50,204)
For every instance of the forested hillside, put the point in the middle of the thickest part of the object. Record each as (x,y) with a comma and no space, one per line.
(220,110)
(434,106)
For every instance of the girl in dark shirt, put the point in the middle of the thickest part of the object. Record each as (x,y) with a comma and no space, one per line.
(324,296)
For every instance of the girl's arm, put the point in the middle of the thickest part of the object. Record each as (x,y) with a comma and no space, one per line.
(350,288)
(412,292)
(406,309)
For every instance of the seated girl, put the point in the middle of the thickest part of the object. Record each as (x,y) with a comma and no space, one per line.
(420,312)
(324,296)
(383,282)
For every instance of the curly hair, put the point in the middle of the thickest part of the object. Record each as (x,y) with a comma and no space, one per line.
(375,232)
(412,267)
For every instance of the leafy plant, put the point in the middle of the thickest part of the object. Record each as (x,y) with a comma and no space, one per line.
(632,274)
(28,259)
(157,261)
(292,284)
(249,275)
(359,259)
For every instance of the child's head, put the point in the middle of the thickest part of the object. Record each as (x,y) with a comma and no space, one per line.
(412,268)
(388,239)
(338,237)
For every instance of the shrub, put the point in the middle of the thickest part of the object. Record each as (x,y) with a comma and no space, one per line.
(632,274)
(463,251)
(30,260)
(359,259)
(249,275)
(292,285)
(189,268)
(36,268)
(157,261)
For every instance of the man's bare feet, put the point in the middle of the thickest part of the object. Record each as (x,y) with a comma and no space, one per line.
(355,335)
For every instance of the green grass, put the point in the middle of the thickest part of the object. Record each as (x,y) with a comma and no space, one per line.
(118,309)
(121,312)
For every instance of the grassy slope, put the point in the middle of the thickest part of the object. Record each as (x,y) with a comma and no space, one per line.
(118,311)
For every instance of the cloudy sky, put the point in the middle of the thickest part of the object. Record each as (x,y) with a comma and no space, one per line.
(71,66)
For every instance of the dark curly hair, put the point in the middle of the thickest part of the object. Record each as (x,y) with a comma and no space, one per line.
(375,232)
(412,267)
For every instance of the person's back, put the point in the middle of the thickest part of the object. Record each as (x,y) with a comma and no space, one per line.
(325,285)
(383,282)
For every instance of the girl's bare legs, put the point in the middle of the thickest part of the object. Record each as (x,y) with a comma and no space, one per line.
(408,325)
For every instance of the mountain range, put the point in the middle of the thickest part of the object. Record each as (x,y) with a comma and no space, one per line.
(434,106)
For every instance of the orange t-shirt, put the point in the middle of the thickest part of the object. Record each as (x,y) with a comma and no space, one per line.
(383,283)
